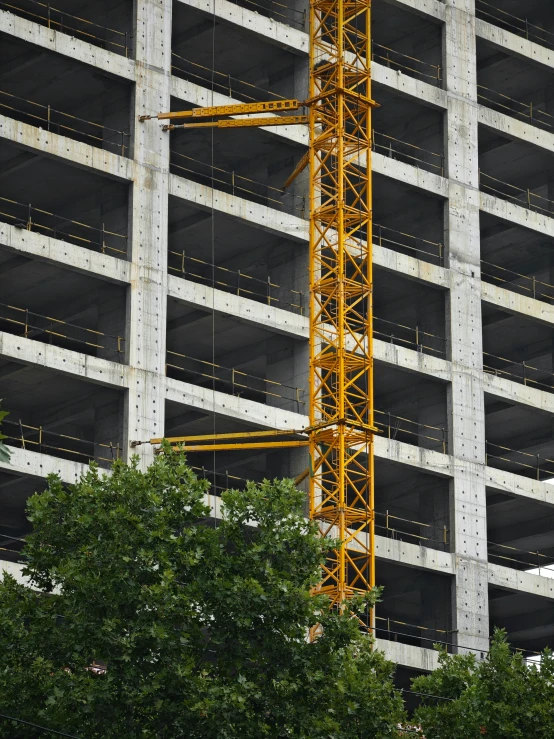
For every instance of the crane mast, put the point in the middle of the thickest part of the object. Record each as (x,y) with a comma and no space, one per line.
(341,413)
(341,364)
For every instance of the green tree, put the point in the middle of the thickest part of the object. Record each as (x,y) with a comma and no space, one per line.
(202,628)
(500,697)
(4,451)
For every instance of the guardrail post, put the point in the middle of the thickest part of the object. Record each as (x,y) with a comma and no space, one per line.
(102,241)
(269,291)
(538,467)
(48,119)
(29,219)
(534,286)
(238,282)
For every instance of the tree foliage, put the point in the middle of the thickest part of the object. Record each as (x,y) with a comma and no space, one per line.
(4,451)
(500,697)
(202,627)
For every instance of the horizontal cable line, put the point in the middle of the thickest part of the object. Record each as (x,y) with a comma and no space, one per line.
(390,238)
(389,146)
(524,378)
(397,60)
(534,290)
(519,195)
(520,26)
(25,216)
(537,555)
(49,19)
(235,181)
(236,281)
(38,436)
(529,111)
(418,338)
(395,425)
(237,380)
(51,124)
(539,465)
(228,83)
(20,317)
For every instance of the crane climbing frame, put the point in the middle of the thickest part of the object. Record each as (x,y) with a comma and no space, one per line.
(341,415)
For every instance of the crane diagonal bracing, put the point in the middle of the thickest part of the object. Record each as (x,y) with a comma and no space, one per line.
(340,434)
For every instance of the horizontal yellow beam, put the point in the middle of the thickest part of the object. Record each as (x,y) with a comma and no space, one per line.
(270,106)
(238,446)
(289,120)
(234,435)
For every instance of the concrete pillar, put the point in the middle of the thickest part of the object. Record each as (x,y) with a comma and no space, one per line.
(147,303)
(466,399)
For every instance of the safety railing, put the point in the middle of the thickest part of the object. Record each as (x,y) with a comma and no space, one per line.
(65,124)
(40,439)
(27,216)
(522,463)
(528,285)
(431,73)
(505,104)
(412,432)
(48,15)
(520,372)
(31,325)
(236,184)
(8,550)
(399,241)
(392,629)
(395,527)
(408,336)
(518,195)
(223,83)
(408,153)
(235,381)
(235,282)
(516,558)
(520,26)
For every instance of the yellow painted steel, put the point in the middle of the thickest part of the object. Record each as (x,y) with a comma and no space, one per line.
(341,358)
(270,106)
(288,120)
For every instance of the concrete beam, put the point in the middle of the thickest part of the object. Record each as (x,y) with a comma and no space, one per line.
(67,45)
(279,34)
(417,658)
(517,304)
(241,410)
(73,152)
(258,216)
(524,487)
(413,555)
(520,581)
(519,394)
(64,361)
(61,253)
(410,175)
(517,214)
(513,44)
(244,310)
(515,129)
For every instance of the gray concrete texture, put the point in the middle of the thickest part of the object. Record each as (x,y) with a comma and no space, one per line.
(155,283)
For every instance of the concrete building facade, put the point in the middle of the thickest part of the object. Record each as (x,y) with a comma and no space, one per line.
(155,283)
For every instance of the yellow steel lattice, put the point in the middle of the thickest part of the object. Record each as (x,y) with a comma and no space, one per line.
(341,371)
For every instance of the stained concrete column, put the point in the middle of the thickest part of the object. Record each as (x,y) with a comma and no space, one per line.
(147,303)
(466,399)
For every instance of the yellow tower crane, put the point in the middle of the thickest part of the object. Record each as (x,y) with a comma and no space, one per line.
(341,428)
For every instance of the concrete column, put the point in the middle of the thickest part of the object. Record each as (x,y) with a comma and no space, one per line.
(147,303)
(466,401)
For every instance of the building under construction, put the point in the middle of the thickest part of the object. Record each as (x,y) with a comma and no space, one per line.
(186,281)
